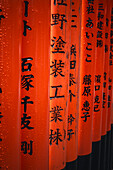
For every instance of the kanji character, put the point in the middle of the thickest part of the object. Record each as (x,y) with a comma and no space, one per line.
(71,94)
(100,6)
(98,78)
(86,91)
(72,64)
(57,68)
(99,34)
(58,45)
(100,25)
(25,147)
(70,119)
(56,91)
(87,79)
(86,106)
(96,99)
(73,50)
(71,80)
(25,102)
(73,20)
(100,16)
(55,137)
(56,114)
(96,108)
(86,115)
(25,121)
(90,9)
(70,132)
(59,18)
(99,43)
(26,80)
(26,66)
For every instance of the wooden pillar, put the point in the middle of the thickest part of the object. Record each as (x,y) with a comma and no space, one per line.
(10,74)
(73,112)
(86,94)
(98,83)
(35,85)
(59,83)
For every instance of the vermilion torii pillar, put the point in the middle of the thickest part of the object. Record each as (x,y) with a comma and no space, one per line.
(35,84)
(10,75)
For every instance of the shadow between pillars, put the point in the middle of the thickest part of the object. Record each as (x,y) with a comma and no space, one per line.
(111,154)
(103,152)
(95,157)
(108,148)
(84,162)
(71,165)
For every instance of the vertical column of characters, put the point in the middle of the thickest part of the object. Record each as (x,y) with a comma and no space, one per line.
(111,165)
(105,88)
(10,74)
(35,84)
(111,73)
(59,82)
(27,85)
(110,86)
(110,118)
(88,26)
(98,84)
(110,81)
(72,131)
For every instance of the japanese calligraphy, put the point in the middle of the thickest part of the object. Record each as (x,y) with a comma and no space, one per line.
(85,110)
(25,102)
(56,91)
(56,114)
(70,119)
(26,66)
(26,27)
(59,18)
(57,68)
(70,132)
(58,45)
(55,137)
(73,16)
(27,147)
(27,86)
(25,121)
(26,81)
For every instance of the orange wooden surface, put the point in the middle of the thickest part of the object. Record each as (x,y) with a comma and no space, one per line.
(87,64)
(110,82)
(10,74)
(110,112)
(106,70)
(59,83)
(35,84)
(72,131)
